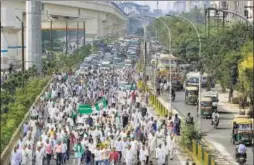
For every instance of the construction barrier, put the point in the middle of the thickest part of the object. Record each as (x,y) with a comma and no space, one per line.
(198,152)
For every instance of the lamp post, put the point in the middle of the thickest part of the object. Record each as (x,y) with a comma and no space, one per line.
(170,63)
(51,35)
(145,45)
(200,77)
(22,44)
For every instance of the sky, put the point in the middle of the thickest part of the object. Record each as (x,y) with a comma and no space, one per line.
(153,4)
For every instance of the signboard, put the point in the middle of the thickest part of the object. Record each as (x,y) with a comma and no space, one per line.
(88,109)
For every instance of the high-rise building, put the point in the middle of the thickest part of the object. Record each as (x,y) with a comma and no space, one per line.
(179,6)
(193,4)
(244,8)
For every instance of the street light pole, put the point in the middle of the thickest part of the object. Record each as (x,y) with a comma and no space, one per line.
(84,33)
(200,77)
(66,38)
(170,62)
(145,54)
(22,43)
(77,34)
(51,38)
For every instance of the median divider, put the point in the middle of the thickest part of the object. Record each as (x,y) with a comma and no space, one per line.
(197,152)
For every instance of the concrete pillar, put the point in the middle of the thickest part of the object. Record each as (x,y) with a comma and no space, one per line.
(33,35)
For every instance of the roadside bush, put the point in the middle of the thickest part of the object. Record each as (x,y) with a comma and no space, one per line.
(189,132)
(17,110)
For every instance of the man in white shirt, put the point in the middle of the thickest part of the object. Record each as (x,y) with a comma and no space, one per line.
(171,146)
(143,155)
(118,146)
(129,156)
(97,155)
(160,155)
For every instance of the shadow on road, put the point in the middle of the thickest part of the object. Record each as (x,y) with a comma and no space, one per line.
(222,128)
(227,112)
(226,118)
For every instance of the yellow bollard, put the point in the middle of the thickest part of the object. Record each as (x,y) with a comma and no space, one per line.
(160,110)
(156,105)
(165,111)
(199,153)
(206,158)
(213,162)
(194,148)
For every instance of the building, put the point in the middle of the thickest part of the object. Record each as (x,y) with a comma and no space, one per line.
(244,8)
(249,9)
(193,4)
(157,12)
(179,6)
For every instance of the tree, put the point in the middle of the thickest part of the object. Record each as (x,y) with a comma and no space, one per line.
(246,76)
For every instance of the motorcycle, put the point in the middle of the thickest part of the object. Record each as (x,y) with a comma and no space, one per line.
(241,160)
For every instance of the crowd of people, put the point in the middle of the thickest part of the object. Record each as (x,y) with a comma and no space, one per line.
(124,131)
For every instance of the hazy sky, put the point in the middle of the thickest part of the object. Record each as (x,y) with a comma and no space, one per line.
(153,4)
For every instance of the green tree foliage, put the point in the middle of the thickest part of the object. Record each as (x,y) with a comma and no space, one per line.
(223,48)
(188,133)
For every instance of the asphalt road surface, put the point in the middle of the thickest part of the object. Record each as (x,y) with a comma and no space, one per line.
(219,137)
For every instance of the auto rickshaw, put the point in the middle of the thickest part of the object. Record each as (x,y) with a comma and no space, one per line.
(206,109)
(214,96)
(191,95)
(243,130)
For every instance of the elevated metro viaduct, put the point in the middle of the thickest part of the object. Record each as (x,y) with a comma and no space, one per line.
(91,19)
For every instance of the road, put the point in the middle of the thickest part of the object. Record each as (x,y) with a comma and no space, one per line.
(220,137)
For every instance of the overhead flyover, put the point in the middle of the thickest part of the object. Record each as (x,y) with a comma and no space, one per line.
(89,20)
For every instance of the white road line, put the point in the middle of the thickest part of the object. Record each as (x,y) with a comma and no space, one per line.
(224,153)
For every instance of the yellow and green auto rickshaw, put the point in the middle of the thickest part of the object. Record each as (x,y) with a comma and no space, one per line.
(206,107)
(191,95)
(242,130)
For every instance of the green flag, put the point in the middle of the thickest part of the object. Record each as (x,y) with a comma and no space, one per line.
(88,109)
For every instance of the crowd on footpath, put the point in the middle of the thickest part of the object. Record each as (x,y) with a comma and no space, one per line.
(123,132)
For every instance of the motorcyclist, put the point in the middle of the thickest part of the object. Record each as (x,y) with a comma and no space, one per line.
(214,115)
(241,150)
